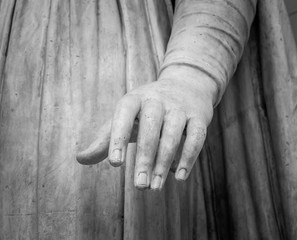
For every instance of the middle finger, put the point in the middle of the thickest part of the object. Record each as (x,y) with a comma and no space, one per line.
(173,127)
(151,119)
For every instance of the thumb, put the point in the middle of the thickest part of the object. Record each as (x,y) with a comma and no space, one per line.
(98,150)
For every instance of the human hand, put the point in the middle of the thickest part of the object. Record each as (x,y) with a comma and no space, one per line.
(156,115)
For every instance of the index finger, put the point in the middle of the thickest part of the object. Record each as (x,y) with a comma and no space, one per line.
(122,127)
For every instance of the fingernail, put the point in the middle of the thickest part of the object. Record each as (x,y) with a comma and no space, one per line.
(181,175)
(156,183)
(116,157)
(141,180)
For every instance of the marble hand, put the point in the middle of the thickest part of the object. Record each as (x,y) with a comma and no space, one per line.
(206,44)
(155,116)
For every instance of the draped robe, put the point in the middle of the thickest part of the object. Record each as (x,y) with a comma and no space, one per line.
(63,67)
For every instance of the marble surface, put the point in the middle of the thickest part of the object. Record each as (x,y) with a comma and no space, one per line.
(292,10)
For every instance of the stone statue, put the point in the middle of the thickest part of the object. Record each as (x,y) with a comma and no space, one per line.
(150,86)
(202,54)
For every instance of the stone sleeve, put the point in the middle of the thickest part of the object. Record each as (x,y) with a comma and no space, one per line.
(210,35)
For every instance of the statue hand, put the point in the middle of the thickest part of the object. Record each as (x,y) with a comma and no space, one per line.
(156,115)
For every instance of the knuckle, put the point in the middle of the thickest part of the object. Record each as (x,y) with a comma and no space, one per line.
(168,136)
(197,132)
(119,141)
(151,114)
(172,132)
(167,147)
(179,113)
(144,150)
(148,116)
(152,105)
(175,117)
(160,170)
(156,100)
(127,101)
(143,164)
(164,163)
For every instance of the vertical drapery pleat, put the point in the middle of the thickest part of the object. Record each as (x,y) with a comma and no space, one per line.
(63,67)
(280,93)
(21,77)
(253,136)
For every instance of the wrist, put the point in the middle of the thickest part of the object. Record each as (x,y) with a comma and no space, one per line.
(192,78)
